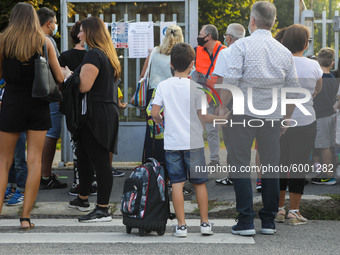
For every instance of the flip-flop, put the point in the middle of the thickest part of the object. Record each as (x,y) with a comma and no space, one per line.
(31,225)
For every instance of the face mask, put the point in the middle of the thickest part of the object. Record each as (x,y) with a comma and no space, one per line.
(200,40)
(55,30)
(225,43)
(249,30)
(193,69)
(86,46)
(305,52)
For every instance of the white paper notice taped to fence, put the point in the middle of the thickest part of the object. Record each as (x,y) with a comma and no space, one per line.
(163,26)
(119,34)
(140,38)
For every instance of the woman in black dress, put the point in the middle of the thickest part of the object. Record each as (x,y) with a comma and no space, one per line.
(20,44)
(98,136)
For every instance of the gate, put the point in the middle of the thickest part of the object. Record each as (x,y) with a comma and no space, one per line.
(132,121)
(307,18)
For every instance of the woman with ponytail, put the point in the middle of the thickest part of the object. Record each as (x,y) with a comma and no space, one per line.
(160,70)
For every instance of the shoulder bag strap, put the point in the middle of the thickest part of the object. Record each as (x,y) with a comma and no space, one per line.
(213,60)
(149,64)
(45,52)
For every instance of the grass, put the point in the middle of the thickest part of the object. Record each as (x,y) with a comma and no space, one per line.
(336,197)
(113,208)
(58,147)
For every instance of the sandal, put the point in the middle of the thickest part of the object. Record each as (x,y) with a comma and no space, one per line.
(31,225)
(280,216)
(225,181)
(296,219)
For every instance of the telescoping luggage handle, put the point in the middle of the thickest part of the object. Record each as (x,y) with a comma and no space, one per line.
(152,161)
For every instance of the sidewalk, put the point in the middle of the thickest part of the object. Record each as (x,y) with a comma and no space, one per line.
(54,203)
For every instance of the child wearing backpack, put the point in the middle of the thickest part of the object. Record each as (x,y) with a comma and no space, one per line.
(183,136)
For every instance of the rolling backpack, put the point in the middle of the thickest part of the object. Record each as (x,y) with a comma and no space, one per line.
(145,201)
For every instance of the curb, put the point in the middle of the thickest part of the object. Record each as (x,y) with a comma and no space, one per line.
(217,209)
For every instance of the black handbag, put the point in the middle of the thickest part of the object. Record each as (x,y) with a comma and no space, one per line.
(44,86)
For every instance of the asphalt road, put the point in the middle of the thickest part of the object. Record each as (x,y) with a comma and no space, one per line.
(316,237)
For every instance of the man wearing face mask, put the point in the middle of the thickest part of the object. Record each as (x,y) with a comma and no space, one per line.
(234,32)
(48,23)
(206,55)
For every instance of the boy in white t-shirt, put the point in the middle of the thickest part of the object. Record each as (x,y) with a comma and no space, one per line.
(183,136)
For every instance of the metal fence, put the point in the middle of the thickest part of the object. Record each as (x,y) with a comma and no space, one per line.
(132,122)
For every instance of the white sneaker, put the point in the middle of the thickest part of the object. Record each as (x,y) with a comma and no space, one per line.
(180,231)
(206,229)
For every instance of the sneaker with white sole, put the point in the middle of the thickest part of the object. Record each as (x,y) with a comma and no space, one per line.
(97,215)
(80,204)
(116,173)
(17,199)
(206,229)
(9,194)
(180,231)
(224,181)
(243,229)
(324,181)
(268,228)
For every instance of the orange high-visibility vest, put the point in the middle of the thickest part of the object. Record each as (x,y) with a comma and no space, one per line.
(203,62)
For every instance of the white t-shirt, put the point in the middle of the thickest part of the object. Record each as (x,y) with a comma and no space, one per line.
(309,72)
(221,63)
(181,99)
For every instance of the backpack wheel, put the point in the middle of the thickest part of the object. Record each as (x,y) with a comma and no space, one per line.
(141,232)
(161,231)
(128,229)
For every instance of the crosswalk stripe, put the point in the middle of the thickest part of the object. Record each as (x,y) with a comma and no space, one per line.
(111,237)
(114,222)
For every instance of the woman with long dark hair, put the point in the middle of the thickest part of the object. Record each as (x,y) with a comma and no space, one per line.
(98,74)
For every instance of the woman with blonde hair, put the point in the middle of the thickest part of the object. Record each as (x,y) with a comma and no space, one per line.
(160,70)
(20,44)
(98,136)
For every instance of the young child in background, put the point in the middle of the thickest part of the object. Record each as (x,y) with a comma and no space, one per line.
(325,119)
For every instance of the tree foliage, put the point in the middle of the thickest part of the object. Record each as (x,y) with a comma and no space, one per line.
(285,13)
(6,7)
(221,13)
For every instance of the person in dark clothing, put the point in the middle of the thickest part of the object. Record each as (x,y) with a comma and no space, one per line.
(99,72)
(48,22)
(72,59)
(21,42)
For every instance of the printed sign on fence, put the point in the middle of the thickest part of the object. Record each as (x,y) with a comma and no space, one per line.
(119,34)
(140,38)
